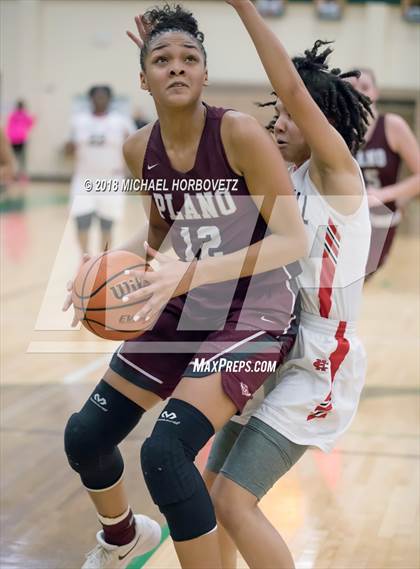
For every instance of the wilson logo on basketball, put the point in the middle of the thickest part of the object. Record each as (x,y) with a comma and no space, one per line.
(321,365)
(122,289)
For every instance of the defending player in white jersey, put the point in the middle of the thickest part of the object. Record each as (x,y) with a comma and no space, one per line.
(97,137)
(320,122)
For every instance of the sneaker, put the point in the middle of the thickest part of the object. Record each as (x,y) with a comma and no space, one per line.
(107,556)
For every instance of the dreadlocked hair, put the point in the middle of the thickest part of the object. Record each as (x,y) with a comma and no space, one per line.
(345,108)
(167,18)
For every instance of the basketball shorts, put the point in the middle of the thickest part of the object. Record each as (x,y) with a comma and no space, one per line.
(318,388)
(162,356)
(106,205)
(254,455)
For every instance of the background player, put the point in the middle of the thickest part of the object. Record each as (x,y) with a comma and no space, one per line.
(218,237)
(19,125)
(96,141)
(319,385)
(389,142)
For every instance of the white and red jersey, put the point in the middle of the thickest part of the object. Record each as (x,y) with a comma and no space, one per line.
(318,388)
(333,273)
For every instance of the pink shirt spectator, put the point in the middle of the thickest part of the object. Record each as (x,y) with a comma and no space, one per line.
(19,123)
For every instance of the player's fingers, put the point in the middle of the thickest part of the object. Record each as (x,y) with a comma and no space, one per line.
(143,27)
(145,277)
(140,28)
(67,303)
(140,275)
(135,39)
(75,320)
(145,313)
(141,294)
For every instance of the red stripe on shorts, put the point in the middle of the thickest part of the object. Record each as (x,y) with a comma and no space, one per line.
(336,359)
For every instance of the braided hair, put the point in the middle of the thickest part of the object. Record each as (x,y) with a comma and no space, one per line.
(168,18)
(345,108)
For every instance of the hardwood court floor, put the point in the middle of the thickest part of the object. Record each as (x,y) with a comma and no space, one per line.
(355,508)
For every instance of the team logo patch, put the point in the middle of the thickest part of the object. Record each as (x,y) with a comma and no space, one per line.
(321,365)
(245,390)
(169,417)
(99,401)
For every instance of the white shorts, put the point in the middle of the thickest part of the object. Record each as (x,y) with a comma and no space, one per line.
(105,204)
(318,388)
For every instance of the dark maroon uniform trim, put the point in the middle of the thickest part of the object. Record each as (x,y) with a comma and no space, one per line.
(145,362)
(379,163)
(380,166)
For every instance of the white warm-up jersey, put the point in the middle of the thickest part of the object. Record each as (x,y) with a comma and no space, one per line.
(332,275)
(99,140)
(318,387)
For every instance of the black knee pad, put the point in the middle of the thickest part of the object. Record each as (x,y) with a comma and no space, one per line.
(174,482)
(92,435)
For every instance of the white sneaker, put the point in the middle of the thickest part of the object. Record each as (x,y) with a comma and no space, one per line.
(107,556)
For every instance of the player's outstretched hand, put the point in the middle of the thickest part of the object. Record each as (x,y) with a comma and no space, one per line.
(172,279)
(143,29)
(68,301)
(375,197)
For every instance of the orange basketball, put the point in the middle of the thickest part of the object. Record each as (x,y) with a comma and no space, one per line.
(99,289)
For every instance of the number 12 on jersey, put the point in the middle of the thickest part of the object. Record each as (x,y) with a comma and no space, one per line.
(206,237)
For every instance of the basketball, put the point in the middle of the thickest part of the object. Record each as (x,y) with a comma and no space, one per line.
(99,289)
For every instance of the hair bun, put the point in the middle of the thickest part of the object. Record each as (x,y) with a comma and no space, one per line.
(167,17)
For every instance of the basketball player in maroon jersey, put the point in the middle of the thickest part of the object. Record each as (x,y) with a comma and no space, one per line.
(221,194)
(389,142)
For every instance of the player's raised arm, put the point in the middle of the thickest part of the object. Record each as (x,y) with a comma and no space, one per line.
(328,148)
(405,144)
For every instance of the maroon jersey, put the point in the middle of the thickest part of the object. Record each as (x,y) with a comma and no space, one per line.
(379,163)
(211,213)
(380,166)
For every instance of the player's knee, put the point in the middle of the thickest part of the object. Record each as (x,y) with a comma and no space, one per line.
(167,470)
(167,456)
(176,486)
(93,434)
(231,506)
(97,461)
(81,443)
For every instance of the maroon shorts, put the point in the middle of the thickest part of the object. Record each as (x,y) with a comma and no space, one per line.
(245,357)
